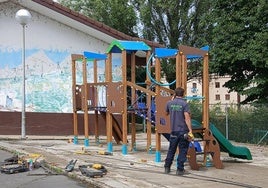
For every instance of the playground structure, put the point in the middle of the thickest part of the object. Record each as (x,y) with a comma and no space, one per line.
(86,97)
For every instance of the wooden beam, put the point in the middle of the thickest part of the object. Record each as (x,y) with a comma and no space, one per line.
(108,78)
(133,97)
(76,57)
(148,102)
(161,88)
(184,74)
(137,87)
(74,97)
(205,92)
(157,90)
(85,97)
(124,99)
(179,70)
(96,126)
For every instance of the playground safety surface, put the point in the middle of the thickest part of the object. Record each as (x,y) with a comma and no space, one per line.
(138,168)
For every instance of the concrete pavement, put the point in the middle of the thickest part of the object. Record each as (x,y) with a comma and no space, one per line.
(139,169)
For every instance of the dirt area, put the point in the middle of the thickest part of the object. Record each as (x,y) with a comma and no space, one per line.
(139,169)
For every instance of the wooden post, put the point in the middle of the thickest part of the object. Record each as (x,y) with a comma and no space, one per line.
(133,94)
(96,126)
(157,91)
(179,70)
(184,74)
(85,103)
(74,101)
(148,101)
(205,92)
(124,100)
(109,127)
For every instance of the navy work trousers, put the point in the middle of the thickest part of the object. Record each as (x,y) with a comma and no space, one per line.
(177,140)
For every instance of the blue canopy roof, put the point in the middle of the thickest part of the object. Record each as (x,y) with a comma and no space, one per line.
(94,56)
(117,46)
(165,52)
(206,48)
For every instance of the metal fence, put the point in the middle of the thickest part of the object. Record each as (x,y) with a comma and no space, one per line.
(240,123)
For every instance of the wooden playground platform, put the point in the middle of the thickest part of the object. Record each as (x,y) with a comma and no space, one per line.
(121,98)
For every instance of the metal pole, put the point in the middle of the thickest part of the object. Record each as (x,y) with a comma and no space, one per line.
(262,138)
(226,121)
(23,17)
(23,131)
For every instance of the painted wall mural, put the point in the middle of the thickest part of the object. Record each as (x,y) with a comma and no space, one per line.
(49,45)
(47,84)
(48,80)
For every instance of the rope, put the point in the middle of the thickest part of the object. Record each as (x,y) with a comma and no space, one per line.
(150,76)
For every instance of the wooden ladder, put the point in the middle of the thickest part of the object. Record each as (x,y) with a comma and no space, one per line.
(211,148)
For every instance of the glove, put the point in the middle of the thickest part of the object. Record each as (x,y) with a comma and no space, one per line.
(190,136)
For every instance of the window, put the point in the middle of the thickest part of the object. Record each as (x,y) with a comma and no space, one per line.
(217,84)
(217,97)
(194,88)
(227,97)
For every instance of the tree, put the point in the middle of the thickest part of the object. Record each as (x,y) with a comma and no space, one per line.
(165,21)
(236,32)
(118,14)
(173,23)
(240,45)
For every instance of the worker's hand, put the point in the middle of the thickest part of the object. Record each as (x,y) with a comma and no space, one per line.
(190,136)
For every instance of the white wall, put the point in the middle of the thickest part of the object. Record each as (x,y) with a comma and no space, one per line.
(49,45)
(43,33)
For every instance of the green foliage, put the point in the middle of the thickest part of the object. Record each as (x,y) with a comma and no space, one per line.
(196,110)
(172,22)
(118,14)
(245,124)
(236,31)
(140,74)
(240,44)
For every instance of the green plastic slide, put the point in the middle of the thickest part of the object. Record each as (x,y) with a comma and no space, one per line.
(225,145)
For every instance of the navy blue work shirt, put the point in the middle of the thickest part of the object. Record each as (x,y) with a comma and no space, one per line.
(176,109)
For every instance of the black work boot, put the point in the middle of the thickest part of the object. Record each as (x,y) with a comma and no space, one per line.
(179,172)
(167,170)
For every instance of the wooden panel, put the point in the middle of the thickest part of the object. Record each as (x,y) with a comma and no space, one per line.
(78,97)
(187,50)
(115,97)
(92,96)
(162,120)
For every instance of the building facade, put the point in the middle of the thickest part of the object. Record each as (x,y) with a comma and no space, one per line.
(218,94)
(53,34)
